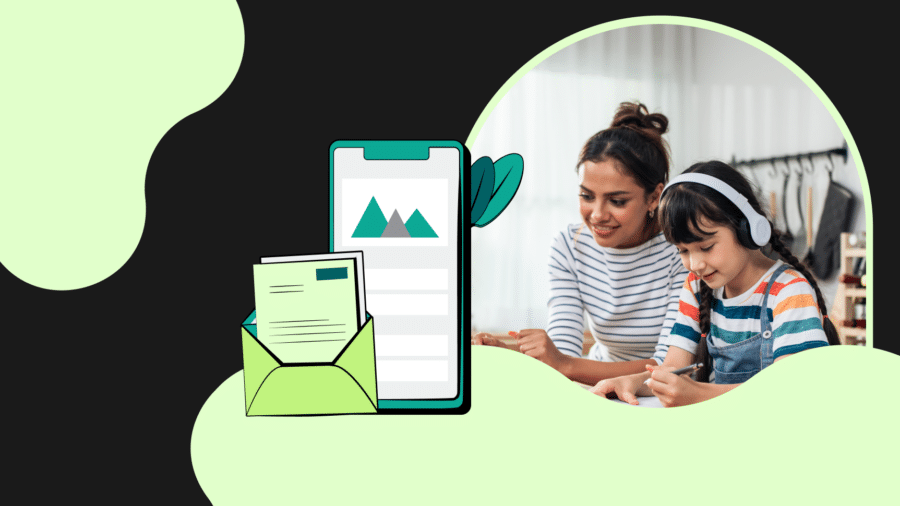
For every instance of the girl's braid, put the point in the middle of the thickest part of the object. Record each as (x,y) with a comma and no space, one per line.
(778,246)
(704,309)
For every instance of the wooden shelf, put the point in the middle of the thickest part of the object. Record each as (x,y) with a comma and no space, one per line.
(853,331)
(847,296)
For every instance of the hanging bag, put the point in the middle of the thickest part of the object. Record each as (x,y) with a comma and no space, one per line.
(836,218)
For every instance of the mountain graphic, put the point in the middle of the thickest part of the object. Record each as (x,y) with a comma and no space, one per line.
(418,227)
(395,227)
(374,224)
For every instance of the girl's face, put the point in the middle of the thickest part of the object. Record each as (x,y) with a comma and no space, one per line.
(719,259)
(613,206)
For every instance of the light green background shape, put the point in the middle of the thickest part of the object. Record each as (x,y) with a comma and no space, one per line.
(88,90)
(816,428)
(534,437)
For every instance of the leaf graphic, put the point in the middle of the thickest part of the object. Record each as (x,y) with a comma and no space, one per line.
(507,176)
(482,186)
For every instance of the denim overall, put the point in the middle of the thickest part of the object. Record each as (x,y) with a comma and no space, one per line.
(738,362)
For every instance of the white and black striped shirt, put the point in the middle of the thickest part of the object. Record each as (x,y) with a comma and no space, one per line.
(630,296)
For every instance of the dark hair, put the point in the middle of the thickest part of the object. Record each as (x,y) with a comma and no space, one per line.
(634,139)
(685,204)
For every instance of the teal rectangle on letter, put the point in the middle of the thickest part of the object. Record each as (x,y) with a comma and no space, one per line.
(332,273)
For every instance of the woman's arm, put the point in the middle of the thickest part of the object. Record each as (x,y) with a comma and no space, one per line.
(565,319)
(486,339)
(536,343)
(589,371)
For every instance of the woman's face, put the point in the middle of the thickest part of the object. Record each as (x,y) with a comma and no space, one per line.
(613,206)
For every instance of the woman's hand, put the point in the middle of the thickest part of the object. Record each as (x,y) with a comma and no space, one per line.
(625,387)
(536,343)
(485,339)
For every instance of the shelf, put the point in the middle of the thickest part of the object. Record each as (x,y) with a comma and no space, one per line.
(854,292)
(848,295)
(853,331)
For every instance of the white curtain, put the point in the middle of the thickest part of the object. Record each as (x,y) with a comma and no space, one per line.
(723,99)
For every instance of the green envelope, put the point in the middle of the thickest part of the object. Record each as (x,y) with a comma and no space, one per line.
(343,386)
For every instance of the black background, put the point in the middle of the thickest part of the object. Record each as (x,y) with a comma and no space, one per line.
(102,408)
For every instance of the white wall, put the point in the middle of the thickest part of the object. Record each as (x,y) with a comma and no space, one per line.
(755,107)
(723,98)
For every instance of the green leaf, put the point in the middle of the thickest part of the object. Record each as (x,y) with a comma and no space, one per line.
(507,176)
(482,186)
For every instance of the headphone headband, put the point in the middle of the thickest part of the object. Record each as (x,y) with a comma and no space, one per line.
(760,230)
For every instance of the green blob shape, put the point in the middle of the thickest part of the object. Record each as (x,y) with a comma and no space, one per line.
(91,89)
(418,226)
(240,460)
(372,222)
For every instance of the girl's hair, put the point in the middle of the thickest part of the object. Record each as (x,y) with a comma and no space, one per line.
(683,207)
(634,140)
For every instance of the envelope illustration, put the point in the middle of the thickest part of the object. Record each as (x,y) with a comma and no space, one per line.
(345,385)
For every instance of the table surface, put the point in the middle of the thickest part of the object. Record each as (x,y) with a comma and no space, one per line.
(647,402)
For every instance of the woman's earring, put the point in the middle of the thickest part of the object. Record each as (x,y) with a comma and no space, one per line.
(650,214)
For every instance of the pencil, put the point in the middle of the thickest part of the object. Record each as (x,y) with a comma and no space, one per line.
(683,370)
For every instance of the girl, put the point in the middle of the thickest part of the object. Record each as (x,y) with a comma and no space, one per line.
(739,311)
(615,264)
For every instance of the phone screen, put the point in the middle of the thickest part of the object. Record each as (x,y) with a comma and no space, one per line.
(403,212)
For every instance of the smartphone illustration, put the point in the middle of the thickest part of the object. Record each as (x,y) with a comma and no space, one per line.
(403,204)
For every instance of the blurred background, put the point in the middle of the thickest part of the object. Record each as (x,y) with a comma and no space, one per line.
(724,99)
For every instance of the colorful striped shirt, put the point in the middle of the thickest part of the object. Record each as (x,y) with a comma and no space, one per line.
(792,307)
(630,296)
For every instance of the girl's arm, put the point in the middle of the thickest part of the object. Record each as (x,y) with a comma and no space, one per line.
(628,388)
(675,390)
(680,391)
(680,343)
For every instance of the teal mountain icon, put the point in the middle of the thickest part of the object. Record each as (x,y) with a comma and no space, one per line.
(418,227)
(374,224)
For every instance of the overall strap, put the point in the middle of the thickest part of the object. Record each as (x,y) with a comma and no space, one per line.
(764,324)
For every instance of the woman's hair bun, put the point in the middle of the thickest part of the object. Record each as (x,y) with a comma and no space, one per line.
(635,116)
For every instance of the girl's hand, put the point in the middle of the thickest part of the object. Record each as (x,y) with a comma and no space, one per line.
(625,387)
(536,343)
(486,339)
(675,390)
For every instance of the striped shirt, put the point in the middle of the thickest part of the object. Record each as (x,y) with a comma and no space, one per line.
(792,307)
(630,296)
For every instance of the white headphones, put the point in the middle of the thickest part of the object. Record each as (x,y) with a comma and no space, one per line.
(755,231)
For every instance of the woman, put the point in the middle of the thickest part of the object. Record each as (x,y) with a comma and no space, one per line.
(616,264)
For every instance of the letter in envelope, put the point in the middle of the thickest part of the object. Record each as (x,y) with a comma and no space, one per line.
(344,385)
